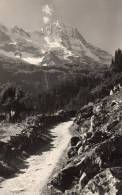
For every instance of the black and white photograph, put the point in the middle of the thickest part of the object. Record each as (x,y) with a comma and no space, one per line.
(60,97)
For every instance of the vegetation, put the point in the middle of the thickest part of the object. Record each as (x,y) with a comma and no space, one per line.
(116,65)
(73,91)
(13,101)
(112,78)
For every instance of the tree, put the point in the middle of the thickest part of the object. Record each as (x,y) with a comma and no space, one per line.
(116,64)
(14,100)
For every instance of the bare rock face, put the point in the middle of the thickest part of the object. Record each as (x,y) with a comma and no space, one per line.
(95,166)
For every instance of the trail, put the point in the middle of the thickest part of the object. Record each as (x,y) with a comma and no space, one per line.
(35,177)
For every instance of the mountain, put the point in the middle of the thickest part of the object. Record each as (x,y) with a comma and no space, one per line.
(55,60)
(54,44)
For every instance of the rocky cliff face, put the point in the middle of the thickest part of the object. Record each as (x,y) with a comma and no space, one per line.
(94,163)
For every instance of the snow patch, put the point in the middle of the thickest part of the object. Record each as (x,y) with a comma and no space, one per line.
(29,40)
(53,43)
(13,43)
(57,24)
(44,65)
(32,60)
(43,51)
(57,43)
(67,52)
(46,9)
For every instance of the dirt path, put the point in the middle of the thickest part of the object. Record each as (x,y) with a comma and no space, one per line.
(35,177)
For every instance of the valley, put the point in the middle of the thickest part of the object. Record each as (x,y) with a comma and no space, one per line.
(60,105)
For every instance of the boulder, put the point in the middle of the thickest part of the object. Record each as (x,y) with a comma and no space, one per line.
(98,137)
(84,113)
(72,151)
(74,140)
(108,153)
(112,124)
(103,183)
(65,178)
(83,180)
(79,144)
(80,150)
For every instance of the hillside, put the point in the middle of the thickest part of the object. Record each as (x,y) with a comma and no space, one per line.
(62,82)
(94,154)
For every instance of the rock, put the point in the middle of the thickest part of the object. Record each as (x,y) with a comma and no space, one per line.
(70,192)
(98,137)
(72,151)
(111,125)
(80,151)
(95,164)
(74,140)
(111,92)
(103,183)
(79,144)
(25,154)
(98,109)
(103,155)
(114,103)
(85,113)
(89,135)
(83,180)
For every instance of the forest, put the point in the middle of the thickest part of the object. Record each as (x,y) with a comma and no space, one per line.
(69,95)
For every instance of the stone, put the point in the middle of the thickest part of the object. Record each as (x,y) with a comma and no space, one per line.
(72,151)
(74,140)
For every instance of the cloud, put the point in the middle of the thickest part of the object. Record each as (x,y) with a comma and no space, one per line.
(46,9)
(46,20)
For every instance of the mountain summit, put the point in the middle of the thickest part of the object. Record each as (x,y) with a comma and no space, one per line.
(54,39)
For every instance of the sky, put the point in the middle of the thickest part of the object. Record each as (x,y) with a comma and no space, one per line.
(99,21)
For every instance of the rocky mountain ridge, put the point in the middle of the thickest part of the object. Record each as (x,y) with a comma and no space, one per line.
(66,43)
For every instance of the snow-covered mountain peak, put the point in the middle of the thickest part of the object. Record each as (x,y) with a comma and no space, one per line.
(55,42)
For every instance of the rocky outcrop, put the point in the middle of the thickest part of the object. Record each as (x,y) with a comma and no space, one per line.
(95,166)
